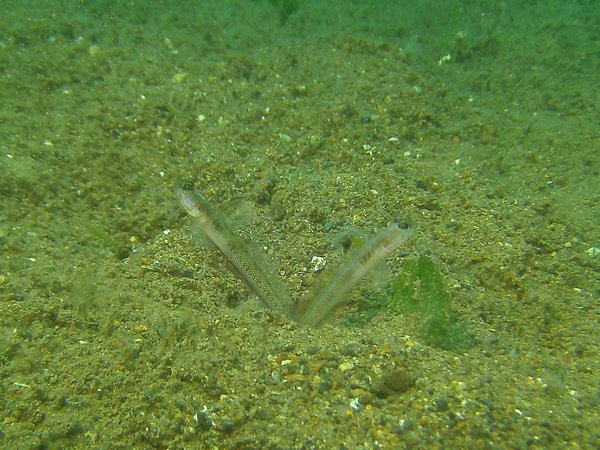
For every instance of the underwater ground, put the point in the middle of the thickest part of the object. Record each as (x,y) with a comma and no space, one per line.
(310,125)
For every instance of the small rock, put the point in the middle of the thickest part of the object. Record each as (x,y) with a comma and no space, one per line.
(346,366)
(393,382)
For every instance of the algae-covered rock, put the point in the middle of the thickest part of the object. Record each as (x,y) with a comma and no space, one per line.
(419,289)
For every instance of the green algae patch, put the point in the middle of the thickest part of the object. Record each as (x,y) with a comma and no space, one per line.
(419,290)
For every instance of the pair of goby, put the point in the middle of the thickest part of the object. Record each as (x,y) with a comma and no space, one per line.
(318,304)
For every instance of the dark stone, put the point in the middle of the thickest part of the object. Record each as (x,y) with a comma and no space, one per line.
(441,404)
(226,426)
(394,382)
(203,420)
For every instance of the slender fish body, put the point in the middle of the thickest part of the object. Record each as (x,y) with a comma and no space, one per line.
(250,267)
(330,292)
(319,303)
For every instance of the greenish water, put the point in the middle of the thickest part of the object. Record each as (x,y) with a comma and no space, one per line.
(311,124)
